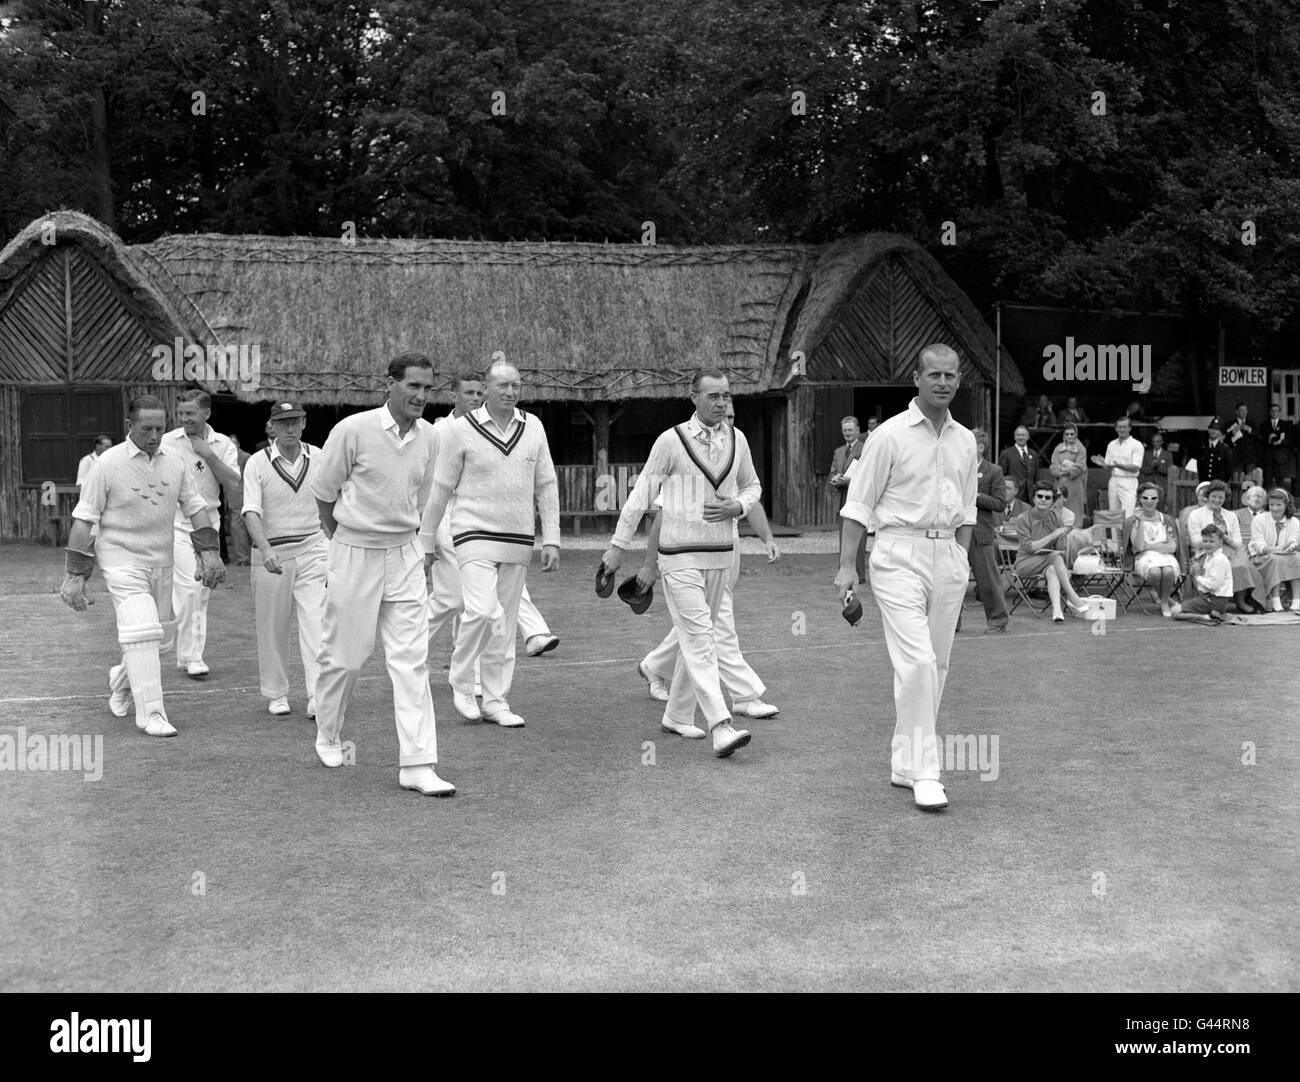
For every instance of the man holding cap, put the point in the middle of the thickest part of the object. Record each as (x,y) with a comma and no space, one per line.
(289,555)
(706,474)
(917,484)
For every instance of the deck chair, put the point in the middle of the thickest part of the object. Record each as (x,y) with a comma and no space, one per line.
(1018,592)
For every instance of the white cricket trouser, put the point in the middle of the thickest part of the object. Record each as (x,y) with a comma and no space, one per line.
(919,585)
(1122,494)
(300,586)
(383,587)
(142,603)
(189,601)
(446,602)
(491,592)
(694,598)
(737,676)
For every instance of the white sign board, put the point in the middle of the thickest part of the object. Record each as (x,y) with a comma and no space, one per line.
(1242,377)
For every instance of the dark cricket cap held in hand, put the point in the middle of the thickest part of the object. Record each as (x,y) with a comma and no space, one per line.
(638,600)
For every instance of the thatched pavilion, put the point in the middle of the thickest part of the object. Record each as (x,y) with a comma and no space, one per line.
(604,335)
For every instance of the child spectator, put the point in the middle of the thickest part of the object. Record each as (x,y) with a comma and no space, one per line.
(1213,577)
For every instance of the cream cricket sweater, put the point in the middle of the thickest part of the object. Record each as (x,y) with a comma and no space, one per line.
(280,495)
(682,470)
(376,482)
(496,479)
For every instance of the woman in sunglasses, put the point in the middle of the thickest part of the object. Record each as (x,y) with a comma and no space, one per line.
(1153,538)
(1039,530)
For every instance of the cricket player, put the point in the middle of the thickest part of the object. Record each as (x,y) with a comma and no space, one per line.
(373,478)
(446,601)
(133,493)
(916,483)
(289,556)
(496,464)
(214,462)
(706,474)
(657,667)
(102,444)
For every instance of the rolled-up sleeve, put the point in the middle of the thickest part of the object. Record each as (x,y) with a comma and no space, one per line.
(869,479)
(93,496)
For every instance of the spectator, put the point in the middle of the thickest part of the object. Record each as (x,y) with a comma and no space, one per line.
(102,444)
(1076,540)
(1151,541)
(1073,412)
(1004,522)
(1253,501)
(1217,464)
(1279,458)
(1201,490)
(990,502)
(1244,577)
(1039,530)
(1156,462)
(1275,544)
(1134,412)
(1044,415)
(847,452)
(1241,438)
(1070,468)
(1212,574)
(1124,460)
(872,424)
(1019,463)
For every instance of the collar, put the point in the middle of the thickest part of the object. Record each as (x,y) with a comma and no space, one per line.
(916,417)
(696,428)
(277,453)
(137,450)
(481,412)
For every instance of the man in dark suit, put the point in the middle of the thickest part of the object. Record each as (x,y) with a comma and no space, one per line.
(849,451)
(1019,463)
(990,493)
(1241,438)
(1218,462)
(1279,449)
(1156,462)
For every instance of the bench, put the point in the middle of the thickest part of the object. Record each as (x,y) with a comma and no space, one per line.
(577,516)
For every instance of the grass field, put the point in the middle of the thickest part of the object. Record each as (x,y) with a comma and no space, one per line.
(1124,844)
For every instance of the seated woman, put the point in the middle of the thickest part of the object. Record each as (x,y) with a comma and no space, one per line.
(1254,501)
(1245,579)
(1070,468)
(1039,529)
(1275,545)
(1152,538)
(1075,540)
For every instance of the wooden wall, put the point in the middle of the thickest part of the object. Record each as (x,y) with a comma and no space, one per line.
(21,515)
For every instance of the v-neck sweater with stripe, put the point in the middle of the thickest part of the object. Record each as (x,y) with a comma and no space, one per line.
(281,496)
(680,470)
(499,483)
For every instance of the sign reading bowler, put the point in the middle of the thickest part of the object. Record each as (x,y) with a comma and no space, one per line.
(1242,377)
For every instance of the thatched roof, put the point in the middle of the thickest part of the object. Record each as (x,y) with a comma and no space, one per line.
(580,321)
(939,312)
(166,316)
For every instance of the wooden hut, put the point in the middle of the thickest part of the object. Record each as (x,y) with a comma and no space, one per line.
(604,335)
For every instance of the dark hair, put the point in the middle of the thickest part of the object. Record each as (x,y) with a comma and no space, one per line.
(201,398)
(144,402)
(398,365)
(1216,486)
(461,378)
(701,374)
(1045,486)
(1287,499)
(1211,530)
(1151,486)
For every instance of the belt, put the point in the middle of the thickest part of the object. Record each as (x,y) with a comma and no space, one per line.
(910,531)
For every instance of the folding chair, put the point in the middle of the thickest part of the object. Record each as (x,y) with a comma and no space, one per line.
(1018,594)
(1115,579)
